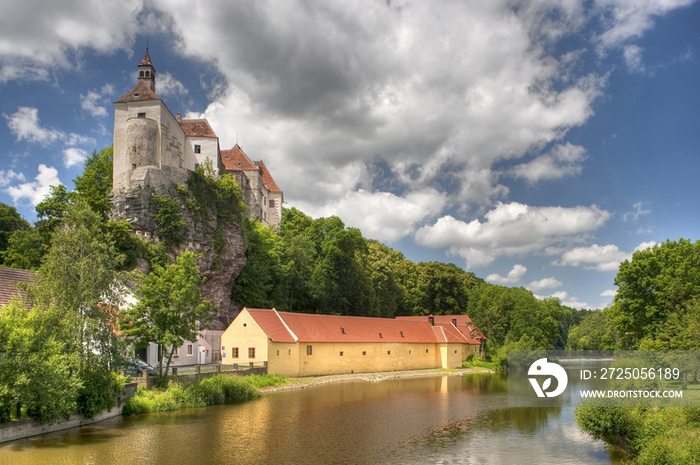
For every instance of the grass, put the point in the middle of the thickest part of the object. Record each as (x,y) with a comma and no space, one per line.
(478,363)
(210,391)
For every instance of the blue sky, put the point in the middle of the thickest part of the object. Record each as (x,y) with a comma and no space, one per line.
(536,144)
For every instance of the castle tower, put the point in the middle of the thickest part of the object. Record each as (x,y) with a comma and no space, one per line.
(147,72)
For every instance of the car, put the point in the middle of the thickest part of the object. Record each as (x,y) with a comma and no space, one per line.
(136,367)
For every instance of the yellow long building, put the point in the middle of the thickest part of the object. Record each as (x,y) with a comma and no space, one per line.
(301,344)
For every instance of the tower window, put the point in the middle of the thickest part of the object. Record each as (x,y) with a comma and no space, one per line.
(148,74)
(272,204)
(142,115)
(197,149)
(141,74)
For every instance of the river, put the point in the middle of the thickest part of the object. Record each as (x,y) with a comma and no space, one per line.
(441,419)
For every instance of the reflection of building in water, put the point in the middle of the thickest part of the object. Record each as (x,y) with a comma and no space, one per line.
(301,344)
(153,147)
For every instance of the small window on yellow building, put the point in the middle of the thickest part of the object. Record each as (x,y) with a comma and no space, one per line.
(455,351)
(409,352)
(426,351)
(364,352)
(290,352)
(234,352)
(251,352)
(341,353)
(308,350)
(388,352)
(278,353)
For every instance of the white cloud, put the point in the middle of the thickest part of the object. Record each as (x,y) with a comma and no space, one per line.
(167,86)
(630,19)
(637,213)
(546,283)
(91,102)
(572,302)
(45,35)
(646,245)
(601,258)
(6,177)
(385,216)
(608,293)
(24,124)
(73,156)
(513,277)
(511,229)
(562,160)
(633,58)
(35,191)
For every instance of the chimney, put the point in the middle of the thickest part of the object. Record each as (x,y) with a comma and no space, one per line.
(431,319)
(178,116)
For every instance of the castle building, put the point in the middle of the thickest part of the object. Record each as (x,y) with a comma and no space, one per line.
(151,147)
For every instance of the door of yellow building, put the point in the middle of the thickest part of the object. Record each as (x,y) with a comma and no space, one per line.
(443,356)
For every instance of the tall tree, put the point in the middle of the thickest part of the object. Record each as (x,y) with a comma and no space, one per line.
(170,309)
(95,184)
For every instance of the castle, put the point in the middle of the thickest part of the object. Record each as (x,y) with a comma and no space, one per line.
(153,147)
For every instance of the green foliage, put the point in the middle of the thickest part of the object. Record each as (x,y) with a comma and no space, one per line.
(10,221)
(171,309)
(214,390)
(25,249)
(99,388)
(593,333)
(95,184)
(35,368)
(513,315)
(475,362)
(169,220)
(651,436)
(657,288)
(222,197)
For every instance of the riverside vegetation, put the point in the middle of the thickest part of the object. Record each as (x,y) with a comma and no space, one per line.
(60,356)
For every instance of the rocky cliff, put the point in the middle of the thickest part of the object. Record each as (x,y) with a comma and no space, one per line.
(220,243)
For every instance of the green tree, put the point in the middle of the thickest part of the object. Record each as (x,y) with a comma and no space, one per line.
(656,284)
(170,309)
(10,221)
(95,184)
(35,369)
(25,249)
(593,333)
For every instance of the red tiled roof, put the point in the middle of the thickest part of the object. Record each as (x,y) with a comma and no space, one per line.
(463,324)
(9,277)
(270,322)
(236,159)
(267,178)
(140,93)
(197,128)
(146,60)
(327,328)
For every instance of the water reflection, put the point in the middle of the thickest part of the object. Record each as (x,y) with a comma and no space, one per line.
(445,419)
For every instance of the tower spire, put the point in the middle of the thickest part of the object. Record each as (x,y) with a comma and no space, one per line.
(147,72)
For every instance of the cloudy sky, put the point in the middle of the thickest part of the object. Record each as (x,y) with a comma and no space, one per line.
(534,143)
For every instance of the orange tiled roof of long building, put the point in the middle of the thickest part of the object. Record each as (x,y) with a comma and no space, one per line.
(140,93)
(305,327)
(462,322)
(196,128)
(236,159)
(267,178)
(9,277)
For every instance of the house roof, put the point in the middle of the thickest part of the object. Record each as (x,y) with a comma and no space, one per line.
(267,178)
(463,324)
(196,128)
(146,60)
(9,277)
(141,92)
(306,327)
(236,159)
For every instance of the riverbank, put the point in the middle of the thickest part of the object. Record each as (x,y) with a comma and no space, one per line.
(298,383)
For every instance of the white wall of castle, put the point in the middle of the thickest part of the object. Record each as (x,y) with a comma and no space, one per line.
(209,150)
